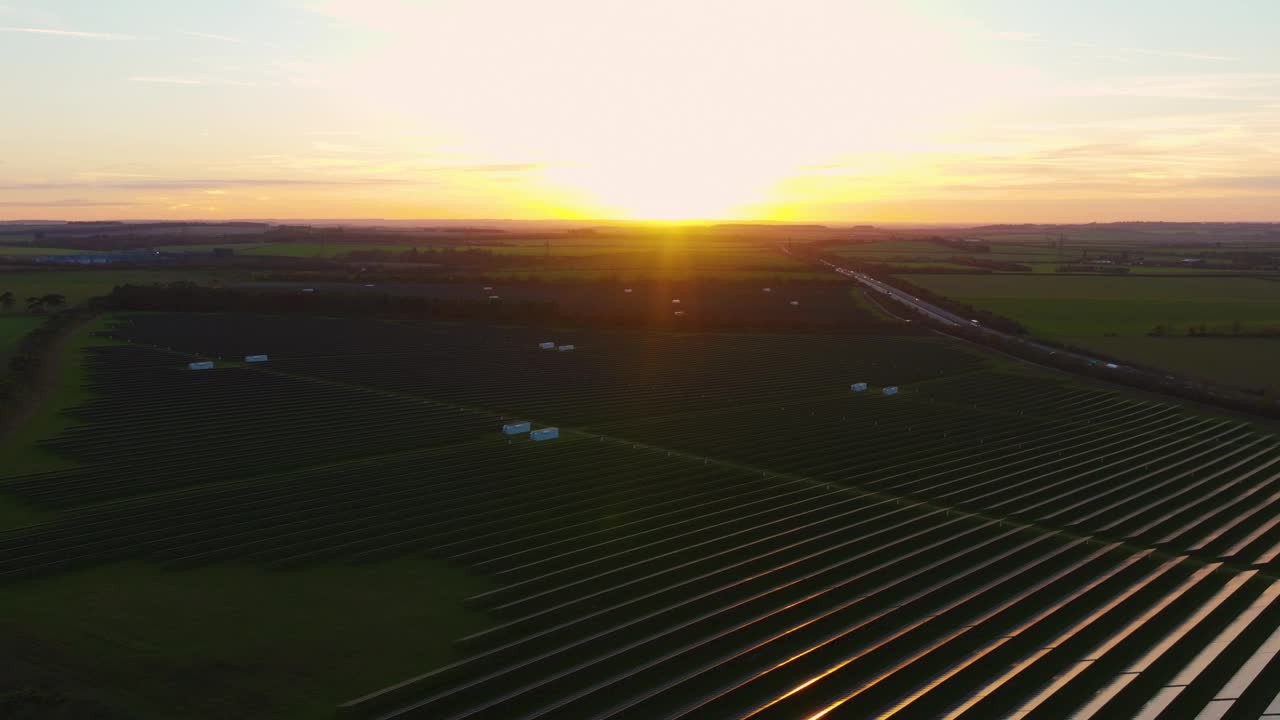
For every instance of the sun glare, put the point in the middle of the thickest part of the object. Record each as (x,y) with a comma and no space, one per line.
(665,110)
(667,189)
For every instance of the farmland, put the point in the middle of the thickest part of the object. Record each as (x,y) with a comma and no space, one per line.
(12,330)
(1105,249)
(1245,361)
(723,530)
(1121,314)
(80,285)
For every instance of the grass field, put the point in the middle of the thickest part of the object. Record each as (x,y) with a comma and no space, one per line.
(1116,315)
(20,451)
(233,640)
(639,275)
(26,250)
(13,327)
(1084,305)
(80,285)
(220,641)
(1241,361)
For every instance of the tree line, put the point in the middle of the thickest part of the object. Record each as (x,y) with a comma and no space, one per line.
(36,303)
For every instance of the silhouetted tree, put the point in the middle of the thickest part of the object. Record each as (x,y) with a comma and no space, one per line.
(6,299)
(54,300)
(35,304)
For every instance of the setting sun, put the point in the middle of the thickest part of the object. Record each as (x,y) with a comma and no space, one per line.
(825,110)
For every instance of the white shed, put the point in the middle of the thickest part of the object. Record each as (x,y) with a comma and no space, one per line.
(767,290)
(795,302)
(858,387)
(626,290)
(679,313)
(255,358)
(515,428)
(547,345)
(202,365)
(545,434)
(565,348)
(494,297)
(488,287)
(675,301)
(1112,366)
(891,390)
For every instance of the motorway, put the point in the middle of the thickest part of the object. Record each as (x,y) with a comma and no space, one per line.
(950,319)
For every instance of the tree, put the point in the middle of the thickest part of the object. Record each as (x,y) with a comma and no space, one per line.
(35,304)
(54,300)
(6,299)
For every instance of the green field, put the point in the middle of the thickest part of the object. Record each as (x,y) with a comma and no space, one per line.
(20,451)
(1241,361)
(233,640)
(13,328)
(642,275)
(80,285)
(1086,305)
(227,640)
(26,250)
(1116,315)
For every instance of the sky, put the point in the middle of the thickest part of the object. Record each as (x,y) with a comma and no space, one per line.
(833,111)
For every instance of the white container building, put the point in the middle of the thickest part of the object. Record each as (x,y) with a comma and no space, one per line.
(858,387)
(767,290)
(891,390)
(255,358)
(515,428)
(544,434)
(566,348)
(547,345)
(675,301)
(202,365)
(627,290)
(795,302)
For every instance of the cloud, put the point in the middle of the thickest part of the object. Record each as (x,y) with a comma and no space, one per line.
(1015,35)
(490,167)
(1179,54)
(66,33)
(1255,182)
(66,202)
(1251,86)
(203,184)
(165,80)
(212,36)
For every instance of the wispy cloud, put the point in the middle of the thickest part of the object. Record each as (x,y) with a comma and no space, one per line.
(203,184)
(64,203)
(66,33)
(491,167)
(157,80)
(212,36)
(164,80)
(1202,86)
(1015,35)
(1024,36)
(1179,54)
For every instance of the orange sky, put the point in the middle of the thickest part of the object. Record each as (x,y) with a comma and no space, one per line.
(823,110)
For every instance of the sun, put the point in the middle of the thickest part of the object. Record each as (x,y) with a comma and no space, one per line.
(671,188)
